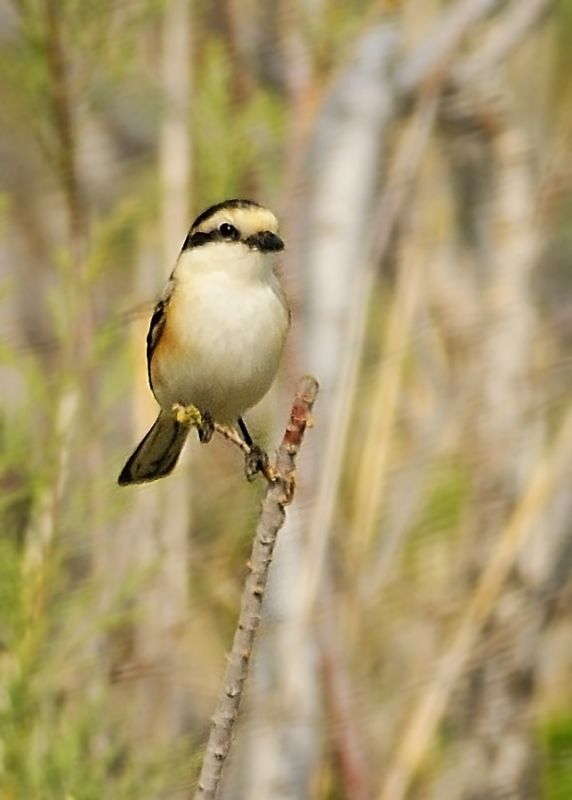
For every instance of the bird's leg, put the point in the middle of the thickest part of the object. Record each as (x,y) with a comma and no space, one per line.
(201,420)
(245,433)
(205,429)
(256,460)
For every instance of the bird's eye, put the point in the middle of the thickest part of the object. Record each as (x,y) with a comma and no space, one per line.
(228,231)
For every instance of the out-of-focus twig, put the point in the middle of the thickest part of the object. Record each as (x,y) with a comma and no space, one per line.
(175,150)
(428,67)
(375,458)
(346,736)
(271,520)
(43,526)
(421,728)
(62,103)
(441,43)
(506,34)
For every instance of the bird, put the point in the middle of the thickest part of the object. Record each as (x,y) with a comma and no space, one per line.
(216,334)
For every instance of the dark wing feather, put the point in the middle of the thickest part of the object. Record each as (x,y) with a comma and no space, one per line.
(157,324)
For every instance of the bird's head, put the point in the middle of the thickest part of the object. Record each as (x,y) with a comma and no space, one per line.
(240,222)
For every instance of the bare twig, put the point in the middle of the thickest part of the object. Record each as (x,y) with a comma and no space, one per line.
(441,43)
(507,34)
(231,435)
(63,111)
(191,416)
(278,495)
(434,54)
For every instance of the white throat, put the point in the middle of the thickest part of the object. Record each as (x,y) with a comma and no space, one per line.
(235,260)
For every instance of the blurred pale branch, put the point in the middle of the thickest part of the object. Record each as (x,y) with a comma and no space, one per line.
(434,59)
(441,44)
(279,494)
(506,34)
(396,191)
(457,20)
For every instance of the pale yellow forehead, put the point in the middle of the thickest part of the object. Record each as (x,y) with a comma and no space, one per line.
(248,221)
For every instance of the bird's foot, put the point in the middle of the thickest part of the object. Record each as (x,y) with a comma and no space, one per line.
(201,420)
(205,428)
(255,461)
(187,415)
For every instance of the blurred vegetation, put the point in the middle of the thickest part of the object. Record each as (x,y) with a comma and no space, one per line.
(557,744)
(83,107)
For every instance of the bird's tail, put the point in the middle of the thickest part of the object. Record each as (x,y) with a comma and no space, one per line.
(158,453)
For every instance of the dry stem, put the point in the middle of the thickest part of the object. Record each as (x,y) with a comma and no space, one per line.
(279,494)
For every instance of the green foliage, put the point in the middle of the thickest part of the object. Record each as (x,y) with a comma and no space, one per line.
(4,208)
(445,501)
(559,86)
(557,746)
(11,584)
(56,735)
(231,142)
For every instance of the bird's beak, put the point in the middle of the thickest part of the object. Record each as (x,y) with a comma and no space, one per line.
(265,241)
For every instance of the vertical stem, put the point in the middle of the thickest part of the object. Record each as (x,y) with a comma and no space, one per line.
(81,323)
(270,522)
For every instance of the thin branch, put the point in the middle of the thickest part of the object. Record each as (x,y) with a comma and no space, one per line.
(191,416)
(231,435)
(272,517)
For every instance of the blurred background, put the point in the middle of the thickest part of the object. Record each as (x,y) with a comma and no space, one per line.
(417,636)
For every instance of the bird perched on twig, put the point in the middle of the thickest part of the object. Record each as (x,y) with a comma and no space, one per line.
(216,334)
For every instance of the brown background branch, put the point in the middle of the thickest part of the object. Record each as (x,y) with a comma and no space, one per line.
(271,520)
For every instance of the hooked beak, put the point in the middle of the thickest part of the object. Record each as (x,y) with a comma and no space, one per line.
(265,241)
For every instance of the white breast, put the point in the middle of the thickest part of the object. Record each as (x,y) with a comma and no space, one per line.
(229,327)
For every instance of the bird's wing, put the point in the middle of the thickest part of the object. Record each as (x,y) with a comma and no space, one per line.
(157,324)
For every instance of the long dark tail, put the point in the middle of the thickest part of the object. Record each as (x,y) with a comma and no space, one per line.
(158,453)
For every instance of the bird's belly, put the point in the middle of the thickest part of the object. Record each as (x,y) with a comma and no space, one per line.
(222,347)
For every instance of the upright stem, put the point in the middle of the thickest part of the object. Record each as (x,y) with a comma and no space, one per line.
(272,517)
(62,104)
